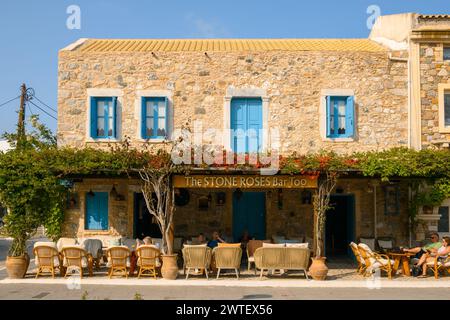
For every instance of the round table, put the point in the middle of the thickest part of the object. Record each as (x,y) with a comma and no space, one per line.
(403,259)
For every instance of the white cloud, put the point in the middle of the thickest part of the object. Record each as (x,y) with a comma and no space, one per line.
(206,29)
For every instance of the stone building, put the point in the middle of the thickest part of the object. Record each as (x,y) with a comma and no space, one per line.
(294,95)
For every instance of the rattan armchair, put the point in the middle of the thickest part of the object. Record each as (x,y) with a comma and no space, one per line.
(375,261)
(439,265)
(75,258)
(359,259)
(148,259)
(47,259)
(118,260)
(227,258)
(196,257)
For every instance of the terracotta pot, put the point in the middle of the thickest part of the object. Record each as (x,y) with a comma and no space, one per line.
(318,269)
(169,268)
(17,267)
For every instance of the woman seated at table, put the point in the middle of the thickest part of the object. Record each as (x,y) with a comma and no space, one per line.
(442,253)
(146,241)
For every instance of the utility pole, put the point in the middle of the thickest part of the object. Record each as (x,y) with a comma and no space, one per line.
(21,123)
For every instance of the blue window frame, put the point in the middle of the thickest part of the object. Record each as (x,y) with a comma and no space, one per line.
(154,118)
(447,109)
(340,114)
(96,211)
(103,117)
(447,53)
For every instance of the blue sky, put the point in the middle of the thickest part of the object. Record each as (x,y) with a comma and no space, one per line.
(32,32)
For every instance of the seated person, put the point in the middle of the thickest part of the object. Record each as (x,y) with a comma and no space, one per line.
(201,239)
(430,256)
(215,240)
(245,238)
(433,246)
(146,241)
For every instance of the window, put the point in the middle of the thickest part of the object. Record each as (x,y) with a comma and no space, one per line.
(340,110)
(154,118)
(96,211)
(443,224)
(103,117)
(391,200)
(246,125)
(447,53)
(447,108)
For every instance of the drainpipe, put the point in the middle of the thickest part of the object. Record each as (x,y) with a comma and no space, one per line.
(375,234)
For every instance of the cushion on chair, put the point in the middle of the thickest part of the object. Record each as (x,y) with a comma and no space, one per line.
(221,244)
(194,245)
(297,245)
(365,247)
(274,245)
(368,241)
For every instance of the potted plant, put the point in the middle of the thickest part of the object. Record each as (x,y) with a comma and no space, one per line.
(159,197)
(321,201)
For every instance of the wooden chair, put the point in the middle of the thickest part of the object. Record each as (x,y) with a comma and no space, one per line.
(439,265)
(118,260)
(148,258)
(196,257)
(75,258)
(47,258)
(375,260)
(227,258)
(359,259)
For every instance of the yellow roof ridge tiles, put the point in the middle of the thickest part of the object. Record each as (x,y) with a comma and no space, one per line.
(224,45)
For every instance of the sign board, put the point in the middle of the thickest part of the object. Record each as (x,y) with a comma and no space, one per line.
(244,181)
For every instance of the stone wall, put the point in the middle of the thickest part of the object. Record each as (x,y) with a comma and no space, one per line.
(292,220)
(292,81)
(433,71)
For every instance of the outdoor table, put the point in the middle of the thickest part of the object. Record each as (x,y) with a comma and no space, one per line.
(402,258)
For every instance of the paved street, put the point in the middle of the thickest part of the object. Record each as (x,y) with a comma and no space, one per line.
(151,292)
(344,284)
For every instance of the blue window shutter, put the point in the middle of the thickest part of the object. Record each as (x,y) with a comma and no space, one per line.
(328,112)
(166,103)
(93,122)
(114,107)
(143,118)
(349,117)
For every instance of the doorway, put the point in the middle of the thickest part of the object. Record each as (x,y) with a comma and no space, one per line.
(249,214)
(340,226)
(144,224)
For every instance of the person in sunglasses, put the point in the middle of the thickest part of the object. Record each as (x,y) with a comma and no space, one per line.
(431,247)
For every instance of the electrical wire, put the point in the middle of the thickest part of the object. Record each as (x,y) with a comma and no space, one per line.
(45,104)
(1,105)
(42,109)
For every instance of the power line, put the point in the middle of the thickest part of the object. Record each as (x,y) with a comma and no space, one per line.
(42,110)
(45,104)
(9,101)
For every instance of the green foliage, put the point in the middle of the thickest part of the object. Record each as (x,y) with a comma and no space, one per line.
(29,188)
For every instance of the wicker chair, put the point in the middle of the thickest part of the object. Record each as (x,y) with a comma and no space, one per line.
(439,265)
(359,259)
(252,245)
(196,257)
(227,258)
(47,258)
(148,259)
(285,258)
(375,260)
(94,248)
(118,260)
(75,258)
